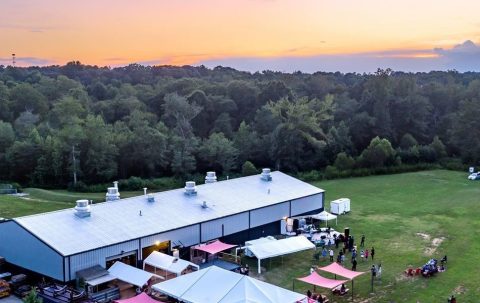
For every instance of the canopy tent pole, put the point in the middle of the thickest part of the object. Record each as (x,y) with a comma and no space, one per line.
(293,284)
(259,268)
(352,289)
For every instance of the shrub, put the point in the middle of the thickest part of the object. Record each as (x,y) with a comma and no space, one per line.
(344,162)
(379,153)
(249,169)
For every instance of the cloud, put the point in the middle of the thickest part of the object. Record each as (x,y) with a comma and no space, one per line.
(462,57)
(27,61)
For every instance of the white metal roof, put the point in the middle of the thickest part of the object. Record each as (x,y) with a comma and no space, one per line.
(168,263)
(119,221)
(130,274)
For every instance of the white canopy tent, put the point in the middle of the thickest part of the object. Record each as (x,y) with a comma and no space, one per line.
(168,263)
(323,216)
(253,242)
(279,248)
(129,274)
(229,287)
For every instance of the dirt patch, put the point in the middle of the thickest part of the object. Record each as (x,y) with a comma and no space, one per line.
(424,236)
(459,290)
(402,277)
(437,241)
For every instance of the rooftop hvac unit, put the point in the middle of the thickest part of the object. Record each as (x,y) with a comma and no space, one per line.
(112,193)
(82,209)
(190,188)
(266,174)
(211,177)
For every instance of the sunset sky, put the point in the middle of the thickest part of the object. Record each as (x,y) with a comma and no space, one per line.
(285,35)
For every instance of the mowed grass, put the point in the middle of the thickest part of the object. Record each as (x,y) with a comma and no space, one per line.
(390,211)
(41,200)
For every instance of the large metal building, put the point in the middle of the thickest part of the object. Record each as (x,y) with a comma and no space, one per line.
(59,244)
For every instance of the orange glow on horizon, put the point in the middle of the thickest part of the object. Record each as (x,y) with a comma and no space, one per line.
(120,32)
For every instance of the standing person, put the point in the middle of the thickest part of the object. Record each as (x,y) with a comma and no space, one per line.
(324,253)
(362,241)
(366,254)
(362,255)
(342,258)
(372,252)
(337,240)
(331,255)
(354,264)
(374,271)
(354,253)
(379,271)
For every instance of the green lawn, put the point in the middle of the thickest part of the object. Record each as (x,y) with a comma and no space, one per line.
(390,210)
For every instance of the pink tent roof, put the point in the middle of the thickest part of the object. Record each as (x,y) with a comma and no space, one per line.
(141,298)
(337,269)
(316,279)
(215,247)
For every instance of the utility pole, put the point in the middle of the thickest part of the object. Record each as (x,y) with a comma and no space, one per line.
(13,60)
(74,166)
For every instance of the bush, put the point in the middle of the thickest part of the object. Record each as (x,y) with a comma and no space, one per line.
(453,164)
(408,141)
(344,162)
(249,169)
(379,153)
(331,172)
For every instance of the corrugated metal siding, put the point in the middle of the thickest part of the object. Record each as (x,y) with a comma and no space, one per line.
(189,236)
(98,256)
(19,247)
(232,224)
(269,214)
(307,204)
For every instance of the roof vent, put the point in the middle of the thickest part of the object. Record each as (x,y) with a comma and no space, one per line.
(82,209)
(204,204)
(190,188)
(112,193)
(266,174)
(211,177)
(150,198)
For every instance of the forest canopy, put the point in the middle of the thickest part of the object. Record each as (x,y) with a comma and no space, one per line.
(109,123)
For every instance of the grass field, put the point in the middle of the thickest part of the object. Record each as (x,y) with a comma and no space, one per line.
(391,211)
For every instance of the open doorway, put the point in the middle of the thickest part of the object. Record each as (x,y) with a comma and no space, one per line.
(129,258)
(163,247)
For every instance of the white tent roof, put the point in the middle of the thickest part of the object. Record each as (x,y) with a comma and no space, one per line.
(324,216)
(129,274)
(229,287)
(260,240)
(168,263)
(280,247)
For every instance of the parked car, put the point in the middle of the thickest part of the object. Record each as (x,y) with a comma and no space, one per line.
(474,176)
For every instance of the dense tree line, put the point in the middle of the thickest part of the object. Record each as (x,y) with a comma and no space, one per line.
(109,123)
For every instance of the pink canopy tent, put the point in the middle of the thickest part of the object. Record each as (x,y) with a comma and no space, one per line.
(315,279)
(337,269)
(141,298)
(215,247)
